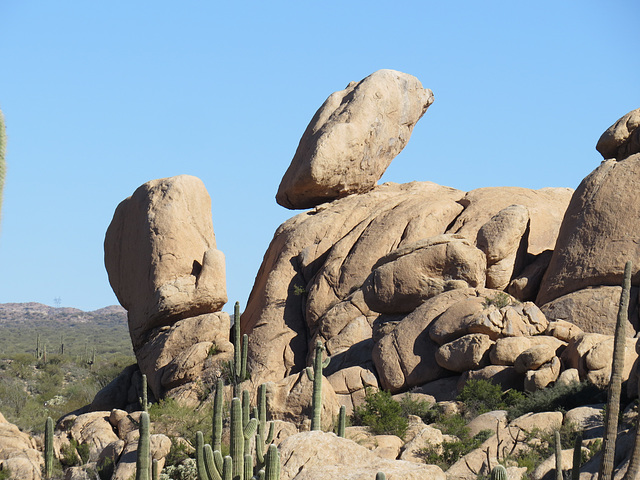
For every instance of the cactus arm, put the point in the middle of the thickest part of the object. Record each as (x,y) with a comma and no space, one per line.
(248,466)
(142,462)
(218,460)
(48,448)
(155,470)
(381,476)
(326,362)
(244,354)
(200,462)
(309,371)
(236,340)
(236,439)
(210,465)
(615,384)
(227,468)
(217,416)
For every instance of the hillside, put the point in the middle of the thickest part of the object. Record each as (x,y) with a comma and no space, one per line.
(78,331)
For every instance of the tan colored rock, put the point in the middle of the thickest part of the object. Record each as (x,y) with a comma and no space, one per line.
(543,376)
(504,242)
(534,357)
(408,276)
(290,400)
(351,385)
(622,138)
(563,330)
(333,249)
(543,421)
(94,430)
(548,465)
(115,394)
(485,314)
(598,361)
(593,309)
(470,352)
(588,419)
(387,446)
(426,436)
(568,376)
(443,389)
(598,232)
(546,208)
(404,356)
(159,446)
(488,421)
(353,138)
(164,359)
(161,256)
(506,350)
(318,455)
(19,453)
(526,284)
(575,353)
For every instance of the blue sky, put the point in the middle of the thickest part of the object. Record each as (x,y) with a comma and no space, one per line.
(100,97)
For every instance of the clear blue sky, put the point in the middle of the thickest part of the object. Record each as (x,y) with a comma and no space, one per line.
(100,97)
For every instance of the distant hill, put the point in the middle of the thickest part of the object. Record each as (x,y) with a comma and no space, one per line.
(104,329)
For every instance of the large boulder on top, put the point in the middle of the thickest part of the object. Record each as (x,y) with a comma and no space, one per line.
(161,256)
(598,234)
(353,138)
(621,139)
(19,452)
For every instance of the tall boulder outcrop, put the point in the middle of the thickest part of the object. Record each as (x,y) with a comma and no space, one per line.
(163,265)
(353,138)
(599,233)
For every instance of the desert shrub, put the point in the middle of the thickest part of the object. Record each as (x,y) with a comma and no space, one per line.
(382,414)
(557,398)
(480,396)
(449,452)
(421,408)
(175,420)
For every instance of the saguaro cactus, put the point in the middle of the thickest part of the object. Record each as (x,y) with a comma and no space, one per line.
(499,473)
(142,462)
(342,421)
(577,457)
(48,448)
(144,405)
(615,384)
(239,433)
(272,467)
(216,438)
(240,351)
(262,443)
(315,375)
(558,451)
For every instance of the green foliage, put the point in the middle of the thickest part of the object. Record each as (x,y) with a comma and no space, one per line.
(480,396)
(175,420)
(449,452)
(5,474)
(499,300)
(556,398)
(426,411)
(382,414)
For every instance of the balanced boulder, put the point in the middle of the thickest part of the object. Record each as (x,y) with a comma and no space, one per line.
(353,138)
(621,139)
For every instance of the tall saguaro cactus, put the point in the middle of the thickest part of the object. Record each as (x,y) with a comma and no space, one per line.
(615,385)
(48,448)
(315,375)
(558,451)
(218,398)
(238,434)
(143,468)
(240,351)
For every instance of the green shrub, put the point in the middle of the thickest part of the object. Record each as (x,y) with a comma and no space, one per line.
(382,414)
(421,408)
(449,453)
(557,398)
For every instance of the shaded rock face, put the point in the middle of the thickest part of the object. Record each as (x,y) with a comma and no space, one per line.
(19,453)
(353,138)
(163,265)
(336,272)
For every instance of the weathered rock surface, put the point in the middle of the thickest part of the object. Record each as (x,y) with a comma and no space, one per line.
(598,234)
(161,256)
(353,138)
(621,139)
(408,276)
(290,400)
(328,253)
(351,384)
(546,208)
(465,353)
(504,242)
(318,455)
(526,284)
(18,452)
(594,309)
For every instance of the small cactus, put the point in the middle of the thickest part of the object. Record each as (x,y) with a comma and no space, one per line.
(381,476)
(315,375)
(48,448)
(342,421)
(499,473)
(577,457)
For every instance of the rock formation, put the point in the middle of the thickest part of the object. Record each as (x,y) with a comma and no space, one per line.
(353,137)
(163,265)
